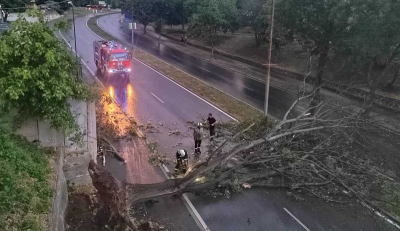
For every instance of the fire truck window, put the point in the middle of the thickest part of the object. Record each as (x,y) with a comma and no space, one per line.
(118,56)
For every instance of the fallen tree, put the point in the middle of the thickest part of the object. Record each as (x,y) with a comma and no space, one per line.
(316,150)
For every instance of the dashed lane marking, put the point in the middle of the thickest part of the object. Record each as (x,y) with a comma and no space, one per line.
(157,97)
(298,221)
(231,117)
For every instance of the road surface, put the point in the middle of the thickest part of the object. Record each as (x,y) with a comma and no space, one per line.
(149,96)
(252,91)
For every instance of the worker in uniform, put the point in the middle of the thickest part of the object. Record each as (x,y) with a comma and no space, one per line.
(100,154)
(198,136)
(181,160)
(211,122)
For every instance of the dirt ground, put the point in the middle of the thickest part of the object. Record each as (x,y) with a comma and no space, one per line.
(84,212)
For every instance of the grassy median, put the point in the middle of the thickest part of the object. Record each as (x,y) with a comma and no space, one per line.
(230,105)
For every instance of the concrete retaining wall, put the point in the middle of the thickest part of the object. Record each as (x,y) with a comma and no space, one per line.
(85,116)
(60,202)
(72,157)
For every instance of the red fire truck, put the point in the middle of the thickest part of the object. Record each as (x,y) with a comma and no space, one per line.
(111,58)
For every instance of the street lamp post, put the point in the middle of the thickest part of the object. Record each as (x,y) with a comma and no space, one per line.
(73,21)
(133,34)
(269,60)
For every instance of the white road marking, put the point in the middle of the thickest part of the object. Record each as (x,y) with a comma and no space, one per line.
(383,216)
(165,170)
(199,220)
(163,167)
(243,86)
(195,213)
(204,69)
(231,117)
(176,57)
(157,97)
(298,221)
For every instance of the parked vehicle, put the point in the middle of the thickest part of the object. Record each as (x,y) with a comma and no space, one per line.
(112,58)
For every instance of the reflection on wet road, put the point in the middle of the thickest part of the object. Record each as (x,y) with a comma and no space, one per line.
(136,97)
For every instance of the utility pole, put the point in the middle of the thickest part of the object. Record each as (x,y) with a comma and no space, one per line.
(76,51)
(269,59)
(1,14)
(159,34)
(133,34)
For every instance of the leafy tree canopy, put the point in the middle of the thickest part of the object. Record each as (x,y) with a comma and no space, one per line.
(319,25)
(142,10)
(375,31)
(212,15)
(37,75)
(14,4)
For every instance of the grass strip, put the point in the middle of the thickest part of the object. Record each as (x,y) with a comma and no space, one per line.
(230,105)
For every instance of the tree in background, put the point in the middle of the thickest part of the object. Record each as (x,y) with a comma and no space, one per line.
(254,13)
(374,42)
(184,10)
(213,15)
(15,5)
(320,25)
(142,11)
(38,75)
(161,10)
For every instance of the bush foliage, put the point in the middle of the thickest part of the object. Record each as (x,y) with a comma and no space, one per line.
(38,75)
(25,191)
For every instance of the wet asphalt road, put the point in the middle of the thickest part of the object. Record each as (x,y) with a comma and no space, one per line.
(235,84)
(149,96)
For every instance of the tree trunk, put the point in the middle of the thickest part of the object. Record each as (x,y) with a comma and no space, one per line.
(144,28)
(159,40)
(212,46)
(257,38)
(395,77)
(372,86)
(5,16)
(320,69)
(389,63)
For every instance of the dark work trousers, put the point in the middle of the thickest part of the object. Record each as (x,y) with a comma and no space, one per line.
(197,144)
(212,132)
(181,163)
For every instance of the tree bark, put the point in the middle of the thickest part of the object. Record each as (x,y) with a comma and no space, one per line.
(144,28)
(5,16)
(395,53)
(159,40)
(371,83)
(320,69)
(395,77)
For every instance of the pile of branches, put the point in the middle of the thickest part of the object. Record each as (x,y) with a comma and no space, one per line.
(317,150)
